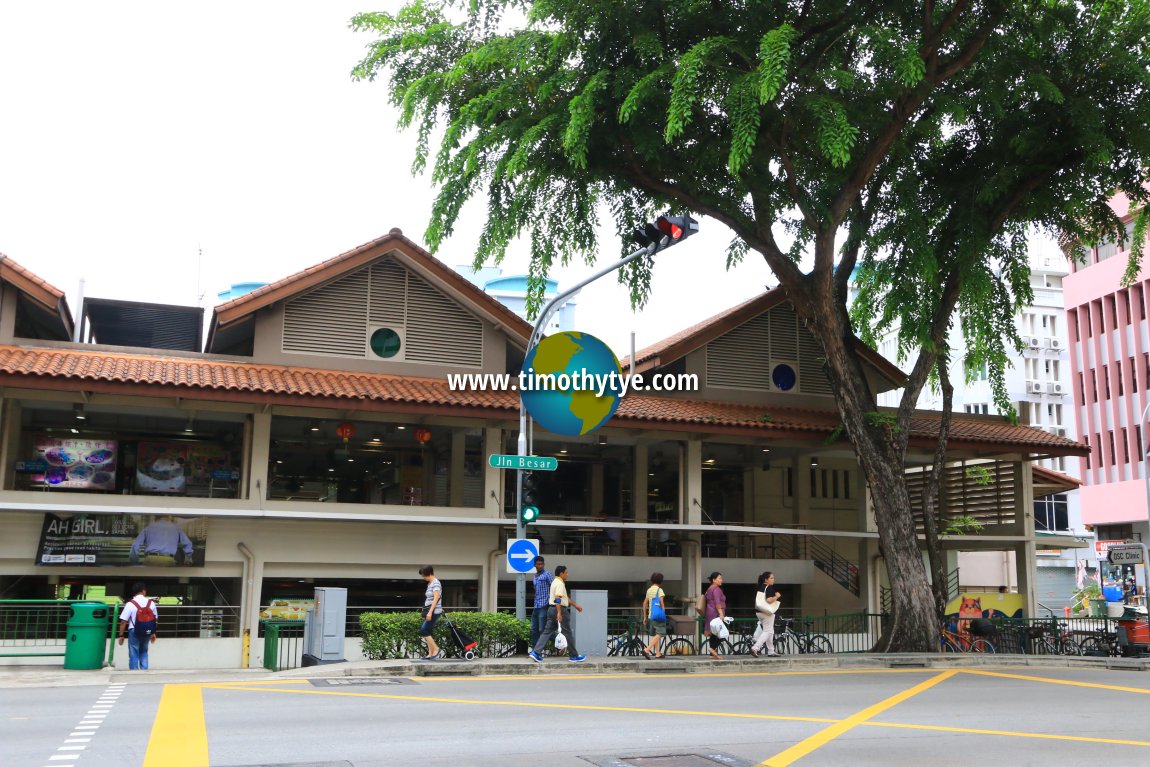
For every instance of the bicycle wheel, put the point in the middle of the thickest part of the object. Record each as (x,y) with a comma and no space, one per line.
(980,645)
(819,644)
(784,644)
(678,647)
(1070,646)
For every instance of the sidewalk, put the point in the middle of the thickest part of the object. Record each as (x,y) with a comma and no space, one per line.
(52,676)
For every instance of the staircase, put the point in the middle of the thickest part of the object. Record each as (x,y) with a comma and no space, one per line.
(840,569)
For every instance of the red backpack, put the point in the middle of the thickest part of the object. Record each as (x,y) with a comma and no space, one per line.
(146,618)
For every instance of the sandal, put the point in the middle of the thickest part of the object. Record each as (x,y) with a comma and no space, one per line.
(646,654)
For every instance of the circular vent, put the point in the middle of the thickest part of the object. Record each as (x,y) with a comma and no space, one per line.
(783,377)
(385,343)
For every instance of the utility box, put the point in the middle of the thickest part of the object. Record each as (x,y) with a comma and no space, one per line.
(326,628)
(590,626)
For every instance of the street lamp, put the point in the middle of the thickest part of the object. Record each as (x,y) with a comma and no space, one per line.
(661,234)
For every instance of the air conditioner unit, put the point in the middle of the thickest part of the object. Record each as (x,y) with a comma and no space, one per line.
(1055,388)
(1048,342)
(1060,431)
(1034,386)
(1033,341)
(1055,343)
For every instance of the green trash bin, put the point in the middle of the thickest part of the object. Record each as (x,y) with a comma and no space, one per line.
(87,636)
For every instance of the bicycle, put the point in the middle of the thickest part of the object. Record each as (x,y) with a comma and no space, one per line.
(631,644)
(1100,642)
(790,641)
(954,641)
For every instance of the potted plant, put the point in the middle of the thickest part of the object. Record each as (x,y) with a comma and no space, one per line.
(1088,599)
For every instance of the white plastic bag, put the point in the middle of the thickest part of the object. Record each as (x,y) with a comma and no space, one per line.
(560,641)
(719,629)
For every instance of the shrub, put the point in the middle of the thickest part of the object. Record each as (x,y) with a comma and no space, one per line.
(396,635)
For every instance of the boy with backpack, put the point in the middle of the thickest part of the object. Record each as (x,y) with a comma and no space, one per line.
(138,618)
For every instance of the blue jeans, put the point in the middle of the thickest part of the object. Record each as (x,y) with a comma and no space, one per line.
(137,650)
(538,623)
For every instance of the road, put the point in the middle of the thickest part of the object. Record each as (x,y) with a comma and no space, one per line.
(1004,715)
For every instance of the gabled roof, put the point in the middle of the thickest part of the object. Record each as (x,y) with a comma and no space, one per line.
(393,242)
(684,342)
(45,295)
(1048,482)
(232,380)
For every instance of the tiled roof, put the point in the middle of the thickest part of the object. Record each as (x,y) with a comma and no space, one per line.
(37,287)
(155,375)
(680,344)
(293,284)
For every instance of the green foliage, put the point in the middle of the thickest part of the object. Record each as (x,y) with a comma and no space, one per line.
(980,474)
(774,58)
(396,635)
(963,526)
(888,421)
(835,435)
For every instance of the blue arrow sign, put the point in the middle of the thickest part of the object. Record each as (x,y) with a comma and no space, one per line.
(521,553)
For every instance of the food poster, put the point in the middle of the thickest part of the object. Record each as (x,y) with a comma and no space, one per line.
(111,540)
(208,462)
(287,609)
(161,467)
(76,464)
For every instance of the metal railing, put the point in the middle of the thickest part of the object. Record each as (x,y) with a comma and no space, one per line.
(38,628)
(842,570)
(283,644)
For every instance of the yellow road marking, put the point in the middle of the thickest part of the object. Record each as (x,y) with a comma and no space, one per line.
(179,734)
(1070,682)
(525,704)
(821,738)
(1009,734)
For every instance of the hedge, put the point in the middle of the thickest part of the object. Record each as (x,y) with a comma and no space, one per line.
(396,635)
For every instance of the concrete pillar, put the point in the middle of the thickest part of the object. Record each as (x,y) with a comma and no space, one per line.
(10,414)
(691,468)
(455,469)
(259,449)
(639,468)
(493,499)
(1025,553)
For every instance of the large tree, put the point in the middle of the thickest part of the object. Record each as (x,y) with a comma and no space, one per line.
(909,143)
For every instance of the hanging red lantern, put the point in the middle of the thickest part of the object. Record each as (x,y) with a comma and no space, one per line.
(422,436)
(345,430)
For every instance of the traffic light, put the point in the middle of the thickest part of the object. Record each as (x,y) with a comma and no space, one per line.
(528,502)
(665,232)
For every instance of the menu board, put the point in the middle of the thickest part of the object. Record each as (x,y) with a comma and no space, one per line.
(161,467)
(76,464)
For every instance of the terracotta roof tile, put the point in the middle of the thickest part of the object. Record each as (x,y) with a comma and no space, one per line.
(26,366)
(47,287)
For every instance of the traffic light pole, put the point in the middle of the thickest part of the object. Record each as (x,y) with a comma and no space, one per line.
(653,243)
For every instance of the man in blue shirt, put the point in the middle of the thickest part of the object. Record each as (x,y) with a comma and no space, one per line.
(542,582)
(158,544)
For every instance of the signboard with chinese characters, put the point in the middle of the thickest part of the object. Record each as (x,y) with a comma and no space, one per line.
(111,540)
(1102,549)
(74,464)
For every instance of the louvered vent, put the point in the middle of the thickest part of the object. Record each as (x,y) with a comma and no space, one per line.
(388,294)
(329,320)
(439,331)
(738,359)
(811,371)
(338,319)
(784,333)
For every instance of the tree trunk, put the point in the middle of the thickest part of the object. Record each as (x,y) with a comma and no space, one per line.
(930,507)
(913,626)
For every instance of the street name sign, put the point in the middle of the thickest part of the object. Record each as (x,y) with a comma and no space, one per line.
(1128,555)
(521,553)
(525,462)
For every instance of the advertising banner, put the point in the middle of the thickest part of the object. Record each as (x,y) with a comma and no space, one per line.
(75,464)
(122,540)
(161,467)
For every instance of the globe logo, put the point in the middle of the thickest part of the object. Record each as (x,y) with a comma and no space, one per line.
(563,376)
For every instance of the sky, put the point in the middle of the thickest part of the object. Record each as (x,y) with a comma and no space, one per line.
(163,151)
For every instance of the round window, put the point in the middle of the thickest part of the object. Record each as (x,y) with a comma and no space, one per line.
(784,377)
(385,343)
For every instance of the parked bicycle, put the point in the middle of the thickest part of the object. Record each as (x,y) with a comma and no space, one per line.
(1099,643)
(964,642)
(789,641)
(631,644)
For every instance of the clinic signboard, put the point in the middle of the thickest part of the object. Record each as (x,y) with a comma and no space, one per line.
(122,540)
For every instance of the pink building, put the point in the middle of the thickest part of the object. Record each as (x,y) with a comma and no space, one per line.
(1110,363)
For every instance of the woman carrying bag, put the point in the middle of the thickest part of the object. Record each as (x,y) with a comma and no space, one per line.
(767,600)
